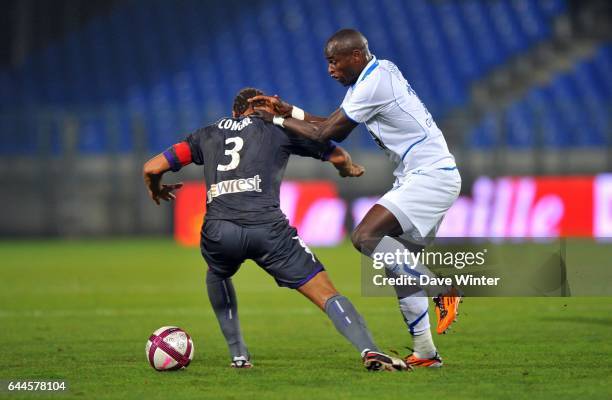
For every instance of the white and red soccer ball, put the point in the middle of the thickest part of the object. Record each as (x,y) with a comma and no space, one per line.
(169,348)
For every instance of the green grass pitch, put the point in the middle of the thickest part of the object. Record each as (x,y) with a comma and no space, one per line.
(83,310)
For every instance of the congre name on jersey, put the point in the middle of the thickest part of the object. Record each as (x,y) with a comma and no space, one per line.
(252,184)
(234,125)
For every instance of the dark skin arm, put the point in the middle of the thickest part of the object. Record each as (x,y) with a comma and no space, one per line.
(341,159)
(268,106)
(152,171)
(336,127)
(277,106)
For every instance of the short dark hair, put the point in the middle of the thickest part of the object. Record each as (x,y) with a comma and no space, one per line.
(347,40)
(241,103)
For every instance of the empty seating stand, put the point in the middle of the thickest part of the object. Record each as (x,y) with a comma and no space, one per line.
(177,65)
(574,109)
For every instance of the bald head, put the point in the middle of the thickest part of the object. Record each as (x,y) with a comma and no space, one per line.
(347,55)
(345,41)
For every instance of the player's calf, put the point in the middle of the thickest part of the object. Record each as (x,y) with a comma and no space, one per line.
(223,299)
(340,311)
(349,323)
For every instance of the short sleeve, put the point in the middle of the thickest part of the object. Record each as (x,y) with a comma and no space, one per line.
(195,141)
(366,99)
(310,148)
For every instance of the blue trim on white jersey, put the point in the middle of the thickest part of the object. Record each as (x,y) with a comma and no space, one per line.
(412,145)
(449,168)
(368,71)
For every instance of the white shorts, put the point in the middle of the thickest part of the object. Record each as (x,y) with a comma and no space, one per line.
(421,200)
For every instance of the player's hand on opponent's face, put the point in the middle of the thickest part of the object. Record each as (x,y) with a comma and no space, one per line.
(352,171)
(263,114)
(164,192)
(272,104)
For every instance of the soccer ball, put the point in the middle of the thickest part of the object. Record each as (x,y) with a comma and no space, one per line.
(169,348)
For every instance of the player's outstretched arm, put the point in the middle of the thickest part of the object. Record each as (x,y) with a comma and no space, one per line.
(152,171)
(283,108)
(343,162)
(337,127)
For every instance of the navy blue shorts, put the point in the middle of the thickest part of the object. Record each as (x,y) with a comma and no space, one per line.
(275,247)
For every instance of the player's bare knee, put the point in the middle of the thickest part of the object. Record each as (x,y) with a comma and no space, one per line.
(356,238)
(364,241)
(320,296)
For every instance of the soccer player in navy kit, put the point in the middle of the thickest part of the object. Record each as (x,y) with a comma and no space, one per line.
(244,159)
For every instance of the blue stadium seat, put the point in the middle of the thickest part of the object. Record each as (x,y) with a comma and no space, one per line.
(603,65)
(533,23)
(549,131)
(482,33)
(552,7)
(460,46)
(92,134)
(7,91)
(506,27)
(519,126)
(485,135)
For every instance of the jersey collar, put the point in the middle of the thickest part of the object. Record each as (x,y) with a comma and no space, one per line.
(371,66)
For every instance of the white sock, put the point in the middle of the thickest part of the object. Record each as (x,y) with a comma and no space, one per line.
(423,345)
(414,310)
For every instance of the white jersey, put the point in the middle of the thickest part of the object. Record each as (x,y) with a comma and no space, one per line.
(397,119)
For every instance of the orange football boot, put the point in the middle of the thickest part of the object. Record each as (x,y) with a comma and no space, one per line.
(447,305)
(414,361)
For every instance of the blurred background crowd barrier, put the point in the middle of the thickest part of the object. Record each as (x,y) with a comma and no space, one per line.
(90,89)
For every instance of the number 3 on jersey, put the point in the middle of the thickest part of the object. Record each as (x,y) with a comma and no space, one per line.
(233,152)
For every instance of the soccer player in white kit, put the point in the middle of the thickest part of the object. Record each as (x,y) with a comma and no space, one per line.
(427,180)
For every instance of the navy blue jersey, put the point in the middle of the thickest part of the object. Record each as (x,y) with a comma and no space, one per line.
(244,161)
